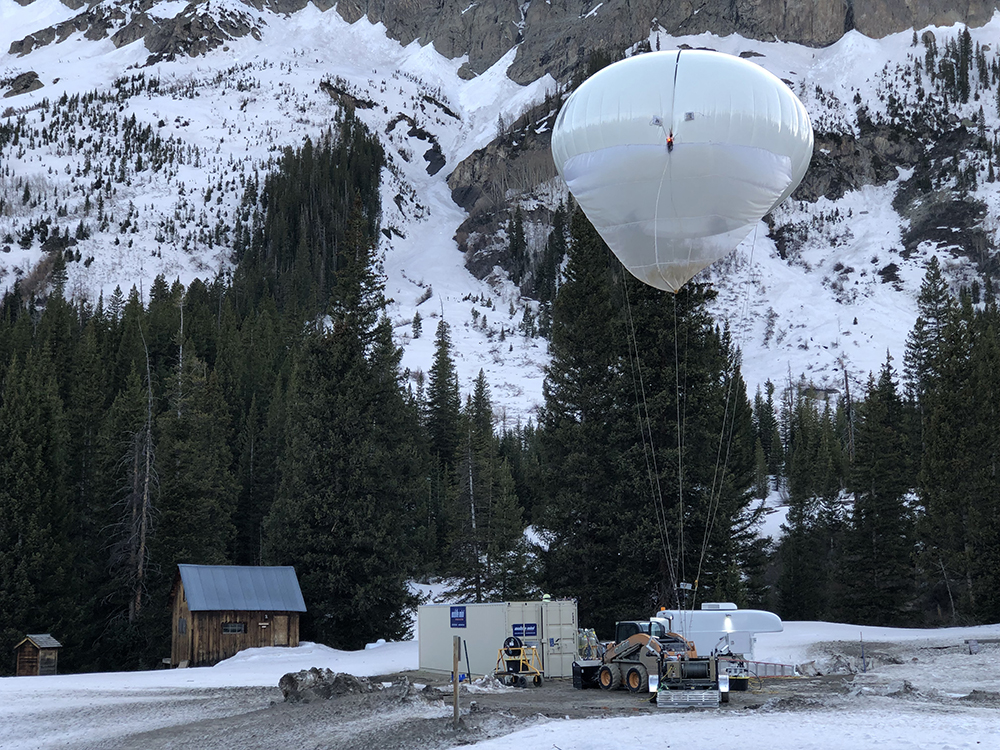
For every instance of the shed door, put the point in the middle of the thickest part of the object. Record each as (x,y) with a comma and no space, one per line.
(27,661)
(279,629)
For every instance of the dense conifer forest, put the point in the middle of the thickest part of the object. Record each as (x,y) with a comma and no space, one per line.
(261,417)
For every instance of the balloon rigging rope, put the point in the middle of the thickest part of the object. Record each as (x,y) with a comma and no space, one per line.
(645,423)
(680,441)
(718,480)
(649,449)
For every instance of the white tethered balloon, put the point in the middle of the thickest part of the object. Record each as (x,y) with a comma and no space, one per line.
(675,156)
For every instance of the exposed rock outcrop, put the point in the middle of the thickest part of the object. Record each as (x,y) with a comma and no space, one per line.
(23,83)
(553,36)
(194,31)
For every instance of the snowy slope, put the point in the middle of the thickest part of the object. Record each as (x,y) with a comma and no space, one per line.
(238,108)
(230,112)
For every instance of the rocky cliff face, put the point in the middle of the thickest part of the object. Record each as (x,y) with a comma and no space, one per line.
(554,36)
(192,32)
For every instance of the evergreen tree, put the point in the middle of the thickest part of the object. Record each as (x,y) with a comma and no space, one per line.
(958,482)
(488,551)
(880,541)
(656,499)
(443,404)
(923,345)
(584,407)
(37,555)
(546,277)
(965,60)
(517,247)
(511,572)
(129,484)
(197,490)
(809,554)
(350,469)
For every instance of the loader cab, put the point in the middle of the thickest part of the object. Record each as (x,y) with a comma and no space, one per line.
(659,629)
(625,630)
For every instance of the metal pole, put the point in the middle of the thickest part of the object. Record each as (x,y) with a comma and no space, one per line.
(457,653)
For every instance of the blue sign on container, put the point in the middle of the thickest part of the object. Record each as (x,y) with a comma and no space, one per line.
(530,630)
(458,617)
(519,630)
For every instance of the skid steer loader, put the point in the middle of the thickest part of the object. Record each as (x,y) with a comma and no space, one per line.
(646,656)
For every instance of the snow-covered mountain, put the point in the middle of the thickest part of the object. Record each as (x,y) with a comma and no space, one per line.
(129,149)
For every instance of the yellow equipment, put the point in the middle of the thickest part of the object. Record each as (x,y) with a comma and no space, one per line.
(517,664)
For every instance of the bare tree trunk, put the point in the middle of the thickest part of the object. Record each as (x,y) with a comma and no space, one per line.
(141,500)
(180,359)
(947,584)
(475,532)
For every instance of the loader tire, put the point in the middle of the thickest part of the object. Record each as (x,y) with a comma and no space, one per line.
(637,679)
(610,677)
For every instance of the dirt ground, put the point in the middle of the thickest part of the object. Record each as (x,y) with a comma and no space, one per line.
(415,711)
(399,718)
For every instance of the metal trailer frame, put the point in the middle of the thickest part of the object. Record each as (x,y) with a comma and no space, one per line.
(516,665)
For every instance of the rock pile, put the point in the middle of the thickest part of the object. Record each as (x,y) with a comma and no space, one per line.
(324,684)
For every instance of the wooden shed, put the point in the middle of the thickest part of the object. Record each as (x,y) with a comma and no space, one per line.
(219,610)
(37,654)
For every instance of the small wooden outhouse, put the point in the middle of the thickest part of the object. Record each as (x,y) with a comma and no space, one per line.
(219,610)
(37,654)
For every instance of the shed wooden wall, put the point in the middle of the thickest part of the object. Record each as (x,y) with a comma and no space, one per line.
(210,645)
(180,643)
(27,660)
(34,661)
(205,644)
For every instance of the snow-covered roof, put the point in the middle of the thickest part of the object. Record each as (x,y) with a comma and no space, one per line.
(242,587)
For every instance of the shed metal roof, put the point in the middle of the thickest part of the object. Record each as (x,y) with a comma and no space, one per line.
(242,587)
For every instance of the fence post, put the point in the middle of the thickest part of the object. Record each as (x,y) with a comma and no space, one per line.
(454,672)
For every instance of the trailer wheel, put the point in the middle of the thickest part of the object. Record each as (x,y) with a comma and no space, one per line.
(637,679)
(610,677)
(521,681)
(536,680)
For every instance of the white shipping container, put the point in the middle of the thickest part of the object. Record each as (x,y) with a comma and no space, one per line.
(549,626)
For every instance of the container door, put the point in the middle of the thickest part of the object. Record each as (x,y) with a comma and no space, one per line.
(560,638)
(279,630)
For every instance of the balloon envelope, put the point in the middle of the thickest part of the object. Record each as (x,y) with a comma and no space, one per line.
(675,156)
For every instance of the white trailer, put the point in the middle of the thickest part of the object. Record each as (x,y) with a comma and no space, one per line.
(718,625)
(549,626)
